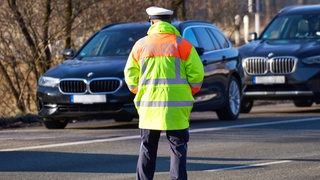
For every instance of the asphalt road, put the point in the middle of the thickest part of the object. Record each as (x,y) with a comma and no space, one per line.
(270,143)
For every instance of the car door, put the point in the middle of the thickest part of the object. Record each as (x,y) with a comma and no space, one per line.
(215,60)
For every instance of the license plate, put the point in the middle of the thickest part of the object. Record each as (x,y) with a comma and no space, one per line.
(268,80)
(88,99)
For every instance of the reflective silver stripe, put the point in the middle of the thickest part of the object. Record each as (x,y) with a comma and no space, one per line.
(179,40)
(177,80)
(165,81)
(143,70)
(143,65)
(163,103)
(177,63)
(132,87)
(195,85)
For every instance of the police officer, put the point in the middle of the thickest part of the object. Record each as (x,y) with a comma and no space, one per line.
(164,71)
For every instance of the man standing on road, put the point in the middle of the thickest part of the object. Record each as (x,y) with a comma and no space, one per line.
(164,71)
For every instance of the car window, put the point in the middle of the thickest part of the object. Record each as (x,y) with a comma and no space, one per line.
(94,46)
(204,38)
(190,36)
(294,27)
(219,38)
(111,43)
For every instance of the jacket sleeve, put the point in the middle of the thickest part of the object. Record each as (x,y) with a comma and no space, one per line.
(131,73)
(195,71)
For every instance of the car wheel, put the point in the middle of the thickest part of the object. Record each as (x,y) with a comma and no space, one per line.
(55,124)
(303,103)
(246,106)
(232,105)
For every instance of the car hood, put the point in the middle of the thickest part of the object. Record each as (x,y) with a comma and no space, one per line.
(298,48)
(102,67)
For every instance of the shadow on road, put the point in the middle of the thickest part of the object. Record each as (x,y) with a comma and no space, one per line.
(40,161)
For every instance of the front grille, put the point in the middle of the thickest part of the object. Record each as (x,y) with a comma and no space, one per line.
(276,65)
(94,86)
(282,65)
(104,85)
(256,65)
(73,86)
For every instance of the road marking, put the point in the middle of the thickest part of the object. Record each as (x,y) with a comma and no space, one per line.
(249,166)
(72,143)
(138,136)
(255,124)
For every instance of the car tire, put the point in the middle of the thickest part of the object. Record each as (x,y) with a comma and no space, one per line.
(231,110)
(246,106)
(55,124)
(303,103)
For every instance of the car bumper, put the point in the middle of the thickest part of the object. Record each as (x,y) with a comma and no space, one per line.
(54,105)
(304,84)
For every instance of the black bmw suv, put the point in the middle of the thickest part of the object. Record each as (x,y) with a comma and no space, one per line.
(90,85)
(284,61)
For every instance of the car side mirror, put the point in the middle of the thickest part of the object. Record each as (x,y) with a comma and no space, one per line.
(253,36)
(199,50)
(68,53)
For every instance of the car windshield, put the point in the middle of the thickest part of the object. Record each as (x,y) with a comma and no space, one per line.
(294,27)
(111,43)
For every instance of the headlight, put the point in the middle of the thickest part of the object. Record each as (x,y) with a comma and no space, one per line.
(312,60)
(48,81)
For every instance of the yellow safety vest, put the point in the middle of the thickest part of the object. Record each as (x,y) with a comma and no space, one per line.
(164,71)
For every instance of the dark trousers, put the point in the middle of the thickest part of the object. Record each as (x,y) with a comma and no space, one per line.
(148,153)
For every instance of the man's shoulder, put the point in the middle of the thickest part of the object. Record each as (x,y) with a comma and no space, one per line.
(140,41)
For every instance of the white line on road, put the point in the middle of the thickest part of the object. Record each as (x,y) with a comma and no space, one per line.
(137,136)
(256,124)
(249,166)
(72,143)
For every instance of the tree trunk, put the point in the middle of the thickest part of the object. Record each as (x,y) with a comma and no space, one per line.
(175,4)
(47,59)
(68,29)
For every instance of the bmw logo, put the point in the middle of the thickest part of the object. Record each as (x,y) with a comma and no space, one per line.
(90,74)
(270,55)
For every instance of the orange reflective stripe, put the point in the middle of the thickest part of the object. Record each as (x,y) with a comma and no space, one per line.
(184,49)
(195,90)
(162,45)
(134,91)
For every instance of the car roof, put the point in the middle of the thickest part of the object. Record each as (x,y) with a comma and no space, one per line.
(300,9)
(120,26)
(180,25)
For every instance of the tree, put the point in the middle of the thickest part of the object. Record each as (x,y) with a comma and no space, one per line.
(33,33)
(25,47)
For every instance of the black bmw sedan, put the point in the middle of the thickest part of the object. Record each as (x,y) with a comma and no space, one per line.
(90,84)
(284,61)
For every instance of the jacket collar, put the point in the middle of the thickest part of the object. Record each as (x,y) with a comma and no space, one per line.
(163,27)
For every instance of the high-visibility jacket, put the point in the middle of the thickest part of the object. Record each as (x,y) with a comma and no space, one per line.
(164,71)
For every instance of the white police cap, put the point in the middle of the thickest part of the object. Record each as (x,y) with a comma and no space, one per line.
(158,12)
